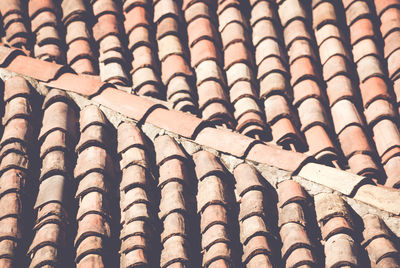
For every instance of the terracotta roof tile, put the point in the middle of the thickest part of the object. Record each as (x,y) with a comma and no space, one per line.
(377,242)
(236,224)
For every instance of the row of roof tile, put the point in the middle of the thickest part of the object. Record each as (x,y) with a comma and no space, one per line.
(56,136)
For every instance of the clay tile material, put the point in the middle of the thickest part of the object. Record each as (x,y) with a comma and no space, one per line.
(91,115)
(36,6)
(213,214)
(311,113)
(381,248)
(279,157)
(331,47)
(293,236)
(92,202)
(229,15)
(79,49)
(339,250)
(58,116)
(268,48)
(300,257)
(102,7)
(11,205)
(18,107)
(393,66)
(134,258)
(301,69)
(274,83)
(17,129)
(215,234)
(172,170)
(233,143)
(328,205)
(391,43)
(198,9)
(323,13)
(28,66)
(166,148)
(204,50)
(93,159)
(335,226)
(51,190)
(10,6)
(92,225)
(72,9)
(390,19)
(219,252)
(386,136)
(334,66)
(187,125)
(379,110)
(369,66)
(252,226)
(295,30)
(306,89)
(292,212)
(129,135)
(381,6)
(77,30)
(344,114)
(105,26)
(357,10)
(290,10)
(172,66)
(362,164)
(320,144)
(361,29)
(172,199)
(174,251)
(353,140)
(374,227)
(94,135)
(54,162)
(169,45)
(263,30)
(338,88)
(301,48)
(135,107)
(90,183)
(42,19)
(15,86)
(276,107)
(10,229)
(50,233)
(137,17)
(290,191)
(247,179)
(327,31)
(174,225)
(252,203)
(164,8)
(233,32)
(236,53)
(14,160)
(211,191)
(257,246)
(262,10)
(12,180)
(284,133)
(201,28)
(372,89)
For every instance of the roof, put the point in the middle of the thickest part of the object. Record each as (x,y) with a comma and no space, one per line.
(199,133)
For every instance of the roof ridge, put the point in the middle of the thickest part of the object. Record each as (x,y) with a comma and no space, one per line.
(193,130)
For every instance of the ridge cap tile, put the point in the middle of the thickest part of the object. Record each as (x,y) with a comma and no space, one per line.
(339,180)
